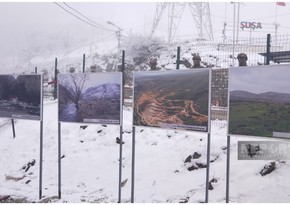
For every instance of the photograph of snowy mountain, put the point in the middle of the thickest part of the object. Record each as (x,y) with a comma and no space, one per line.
(172,99)
(20,96)
(90,98)
(260,101)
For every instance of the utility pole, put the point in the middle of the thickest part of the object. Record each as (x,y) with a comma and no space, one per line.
(234,32)
(118,35)
(225,24)
(238,22)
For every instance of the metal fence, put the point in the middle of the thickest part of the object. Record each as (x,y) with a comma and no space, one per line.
(223,55)
(220,56)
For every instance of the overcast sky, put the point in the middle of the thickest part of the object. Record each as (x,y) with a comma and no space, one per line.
(19,20)
(95,79)
(260,79)
(136,16)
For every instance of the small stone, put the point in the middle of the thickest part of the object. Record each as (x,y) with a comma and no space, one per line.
(118,140)
(188,159)
(124,182)
(210,187)
(268,168)
(214,180)
(83,127)
(196,155)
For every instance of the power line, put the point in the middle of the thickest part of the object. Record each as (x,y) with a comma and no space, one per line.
(265,17)
(82,19)
(104,28)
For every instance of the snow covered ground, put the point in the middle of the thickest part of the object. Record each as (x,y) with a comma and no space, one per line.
(90,156)
(90,164)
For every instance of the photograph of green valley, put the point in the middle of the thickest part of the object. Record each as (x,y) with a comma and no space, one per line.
(259,101)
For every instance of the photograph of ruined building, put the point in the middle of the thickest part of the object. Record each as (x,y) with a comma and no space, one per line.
(90,97)
(172,99)
(20,96)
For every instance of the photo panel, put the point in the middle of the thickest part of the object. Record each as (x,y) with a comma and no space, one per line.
(21,97)
(172,99)
(259,101)
(90,98)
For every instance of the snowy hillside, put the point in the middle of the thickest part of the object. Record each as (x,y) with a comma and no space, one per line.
(110,90)
(90,164)
(170,165)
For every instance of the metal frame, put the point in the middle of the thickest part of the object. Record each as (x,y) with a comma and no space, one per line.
(208,140)
(41,129)
(240,135)
(121,139)
(95,74)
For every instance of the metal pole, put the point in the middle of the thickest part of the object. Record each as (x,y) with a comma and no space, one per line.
(268,49)
(121,132)
(234,31)
(207,168)
(84,62)
(59,160)
(118,34)
(123,74)
(120,164)
(228,169)
(276,25)
(13,128)
(225,23)
(35,70)
(41,159)
(55,79)
(123,61)
(178,58)
(238,21)
(133,165)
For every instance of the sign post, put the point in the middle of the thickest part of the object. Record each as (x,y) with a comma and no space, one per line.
(175,90)
(22,98)
(94,98)
(121,133)
(262,103)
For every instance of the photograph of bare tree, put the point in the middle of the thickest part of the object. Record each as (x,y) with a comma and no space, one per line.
(259,101)
(90,97)
(172,99)
(21,96)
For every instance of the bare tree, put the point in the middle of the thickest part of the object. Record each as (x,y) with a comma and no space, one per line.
(75,86)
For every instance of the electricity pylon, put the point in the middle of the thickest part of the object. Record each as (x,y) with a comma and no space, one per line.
(200,12)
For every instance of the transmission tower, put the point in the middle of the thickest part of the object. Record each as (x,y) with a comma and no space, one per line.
(200,12)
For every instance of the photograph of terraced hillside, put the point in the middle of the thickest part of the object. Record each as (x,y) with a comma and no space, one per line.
(21,96)
(172,99)
(260,101)
(90,97)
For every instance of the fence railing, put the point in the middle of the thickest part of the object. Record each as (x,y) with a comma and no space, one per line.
(218,55)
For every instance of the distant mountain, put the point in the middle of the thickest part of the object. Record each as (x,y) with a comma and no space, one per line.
(239,95)
(110,90)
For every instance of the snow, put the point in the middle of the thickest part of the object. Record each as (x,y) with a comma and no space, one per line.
(110,90)
(90,164)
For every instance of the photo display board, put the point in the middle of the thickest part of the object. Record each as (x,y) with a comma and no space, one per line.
(259,101)
(90,98)
(21,97)
(172,99)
